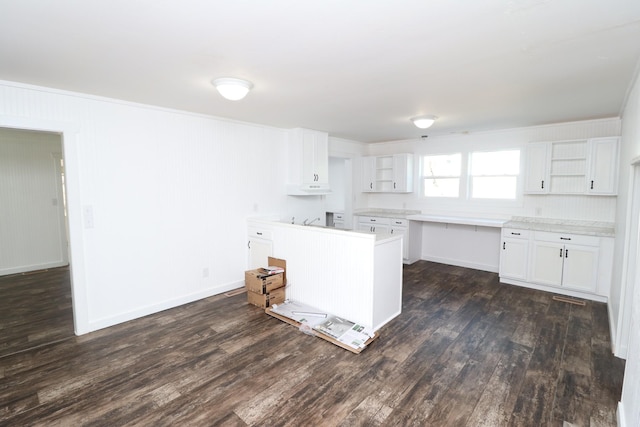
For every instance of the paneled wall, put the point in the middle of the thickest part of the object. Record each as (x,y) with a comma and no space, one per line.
(158,199)
(32,226)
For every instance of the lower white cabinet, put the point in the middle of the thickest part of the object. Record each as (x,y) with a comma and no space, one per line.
(411,232)
(514,254)
(260,246)
(566,260)
(573,264)
(373,224)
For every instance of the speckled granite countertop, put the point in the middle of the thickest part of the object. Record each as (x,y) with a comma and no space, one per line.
(589,228)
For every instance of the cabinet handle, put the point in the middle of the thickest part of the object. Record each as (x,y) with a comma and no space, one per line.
(249,244)
(392,231)
(560,252)
(592,185)
(394,185)
(372,220)
(504,246)
(565,238)
(371,185)
(515,234)
(542,184)
(259,233)
(566,253)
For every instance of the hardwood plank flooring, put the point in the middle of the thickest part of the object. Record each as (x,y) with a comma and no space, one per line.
(35,309)
(466,351)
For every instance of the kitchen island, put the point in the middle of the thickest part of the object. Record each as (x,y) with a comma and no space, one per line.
(354,275)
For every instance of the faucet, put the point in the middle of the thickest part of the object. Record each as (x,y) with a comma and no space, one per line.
(310,222)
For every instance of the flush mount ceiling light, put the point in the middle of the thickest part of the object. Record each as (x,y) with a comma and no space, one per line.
(232,89)
(423,122)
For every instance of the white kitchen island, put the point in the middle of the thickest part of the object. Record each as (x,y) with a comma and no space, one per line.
(354,275)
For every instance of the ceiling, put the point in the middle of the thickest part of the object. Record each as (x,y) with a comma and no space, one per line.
(358,69)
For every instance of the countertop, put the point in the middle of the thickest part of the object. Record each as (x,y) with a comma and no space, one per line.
(589,228)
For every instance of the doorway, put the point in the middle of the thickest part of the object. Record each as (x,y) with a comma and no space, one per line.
(35,285)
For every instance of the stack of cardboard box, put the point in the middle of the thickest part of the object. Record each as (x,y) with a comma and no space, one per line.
(265,289)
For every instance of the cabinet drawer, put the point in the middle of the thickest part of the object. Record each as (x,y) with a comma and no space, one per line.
(261,233)
(374,220)
(515,233)
(398,222)
(576,239)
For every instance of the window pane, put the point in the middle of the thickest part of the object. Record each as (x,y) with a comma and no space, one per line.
(444,165)
(496,163)
(495,187)
(441,187)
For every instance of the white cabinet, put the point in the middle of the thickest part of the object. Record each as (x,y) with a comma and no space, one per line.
(338,220)
(514,254)
(537,169)
(260,246)
(411,232)
(603,171)
(308,162)
(373,224)
(566,260)
(388,174)
(572,167)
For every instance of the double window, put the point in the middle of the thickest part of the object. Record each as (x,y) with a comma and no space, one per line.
(488,175)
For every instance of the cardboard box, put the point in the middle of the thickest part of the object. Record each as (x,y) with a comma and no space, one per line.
(257,282)
(282,264)
(277,296)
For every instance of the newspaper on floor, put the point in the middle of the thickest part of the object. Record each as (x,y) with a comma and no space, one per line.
(345,331)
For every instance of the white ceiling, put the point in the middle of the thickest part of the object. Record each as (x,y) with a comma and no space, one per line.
(358,69)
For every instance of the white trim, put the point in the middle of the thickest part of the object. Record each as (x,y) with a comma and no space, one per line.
(620,415)
(561,291)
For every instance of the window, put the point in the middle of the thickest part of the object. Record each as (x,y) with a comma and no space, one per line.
(442,175)
(494,175)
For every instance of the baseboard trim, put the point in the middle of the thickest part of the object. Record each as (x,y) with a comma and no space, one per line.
(620,416)
(155,308)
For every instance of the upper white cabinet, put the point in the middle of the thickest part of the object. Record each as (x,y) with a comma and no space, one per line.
(603,170)
(388,174)
(308,162)
(537,169)
(572,167)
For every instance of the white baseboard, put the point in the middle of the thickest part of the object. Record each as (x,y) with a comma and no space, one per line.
(155,308)
(462,263)
(552,289)
(620,416)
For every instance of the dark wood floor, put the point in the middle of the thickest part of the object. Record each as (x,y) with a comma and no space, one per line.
(466,351)
(35,309)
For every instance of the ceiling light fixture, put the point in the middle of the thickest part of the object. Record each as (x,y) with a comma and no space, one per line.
(232,89)
(423,122)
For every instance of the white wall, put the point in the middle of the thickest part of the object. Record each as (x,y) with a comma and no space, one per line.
(629,413)
(574,207)
(158,199)
(32,226)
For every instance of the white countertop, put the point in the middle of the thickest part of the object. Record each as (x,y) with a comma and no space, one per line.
(483,222)
(589,228)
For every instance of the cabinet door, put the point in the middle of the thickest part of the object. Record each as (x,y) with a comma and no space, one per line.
(403,231)
(368,174)
(537,179)
(402,173)
(580,268)
(315,158)
(603,166)
(259,252)
(546,263)
(514,258)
